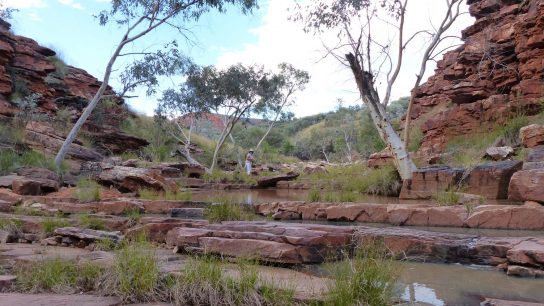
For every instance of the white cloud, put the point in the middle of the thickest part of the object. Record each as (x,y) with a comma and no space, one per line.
(280,40)
(72,4)
(34,17)
(22,4)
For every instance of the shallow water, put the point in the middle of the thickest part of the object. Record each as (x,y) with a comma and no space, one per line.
(257,196)
(441,285)
(453,284)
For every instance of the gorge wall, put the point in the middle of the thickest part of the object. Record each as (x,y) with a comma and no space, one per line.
(496,74)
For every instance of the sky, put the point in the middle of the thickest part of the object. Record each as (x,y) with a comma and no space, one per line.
(265,37)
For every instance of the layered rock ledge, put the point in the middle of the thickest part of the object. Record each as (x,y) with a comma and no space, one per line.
(529,216)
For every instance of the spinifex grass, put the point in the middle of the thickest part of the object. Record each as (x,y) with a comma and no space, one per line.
(87,190)
(224,209)
(147,194)
(368,278)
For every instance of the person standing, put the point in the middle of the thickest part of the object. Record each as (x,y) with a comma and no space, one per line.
(249,161)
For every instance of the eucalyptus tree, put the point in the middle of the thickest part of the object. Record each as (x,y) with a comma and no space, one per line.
(231,94)
(286,84)
(140,19)
(371,57)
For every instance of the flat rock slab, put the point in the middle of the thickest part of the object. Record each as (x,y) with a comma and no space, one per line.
(86,234)
(308,243)
(12,299)
(271,181)
(522,217)
(497,302)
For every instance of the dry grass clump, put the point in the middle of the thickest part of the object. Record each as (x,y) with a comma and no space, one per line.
(148,194)
(224,209)
(87,190)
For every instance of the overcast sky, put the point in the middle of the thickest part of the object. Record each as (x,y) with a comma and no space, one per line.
(267,37)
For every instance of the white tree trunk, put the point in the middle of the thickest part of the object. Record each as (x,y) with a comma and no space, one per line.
(403,162)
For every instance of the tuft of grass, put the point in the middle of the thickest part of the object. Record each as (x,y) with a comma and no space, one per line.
(133,215)
(10,161)
(238,177)
(135,275)
(357,178)
(13,226)
(28,211)
(148,194)
(87,190)
(49,225)
(204,282)
(57,275)
(92,222)
(224,209)
(368,278)
(448,198)
(314,195)
(106,244)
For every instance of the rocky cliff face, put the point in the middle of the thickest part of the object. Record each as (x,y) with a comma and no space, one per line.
(26,68)
(496,73)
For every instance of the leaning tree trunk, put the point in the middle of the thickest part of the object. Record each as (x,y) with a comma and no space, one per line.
(403,162)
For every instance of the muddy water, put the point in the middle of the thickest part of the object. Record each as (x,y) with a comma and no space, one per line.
(256,196)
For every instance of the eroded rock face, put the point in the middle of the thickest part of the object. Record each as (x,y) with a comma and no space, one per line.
(532,135)
(134,179)
(426,182)
(380,159)
(527,185)
(495,74)
(272,242)
(271,181)
(491,180)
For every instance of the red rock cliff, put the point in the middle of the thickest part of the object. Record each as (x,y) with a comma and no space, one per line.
(496,73)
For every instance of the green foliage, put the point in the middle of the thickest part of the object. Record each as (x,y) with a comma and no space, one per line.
(366,279)
(224,209)
(220,176)
(28,211)
(87,190)
(11,225)
(314,195)
(135,276)
(204,282)
(416,136)
(449,197)
(106,244)
(148,194)
(11,161)
(11,133)
(61,69)
(49,225)
(160,143)
(92,222)
(57,275)
(133,215)
(357,178)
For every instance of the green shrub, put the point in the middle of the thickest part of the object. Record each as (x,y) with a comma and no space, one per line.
(13,226)
(133,215)
(368,278)
(148,194)
(51,224)
(11,161)
(226,210)
(61,69)
(57,275)
(91,222)
(87,190)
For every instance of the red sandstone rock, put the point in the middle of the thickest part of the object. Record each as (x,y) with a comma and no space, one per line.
(426,182)
(536,154)
(491,180)
(264,182)
(380,159)
(31,186)
(134,179)
(499,153)
(527,185)
(532,135)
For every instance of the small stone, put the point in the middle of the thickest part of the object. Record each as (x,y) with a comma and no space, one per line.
(499,153)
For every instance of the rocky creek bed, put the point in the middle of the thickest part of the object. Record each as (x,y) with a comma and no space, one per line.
(304,243)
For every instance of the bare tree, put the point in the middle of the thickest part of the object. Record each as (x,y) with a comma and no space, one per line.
(370,58)
(141,17)
(432,51)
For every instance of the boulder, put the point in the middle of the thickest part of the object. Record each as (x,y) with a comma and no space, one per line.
(499,153)
(527,185)
(427,181)
(111,140)
(7,282)
(532,135)
(491,180)
(497,302)
(271,181)
(133,179)
(32,186)
(536,154)
(312,169)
